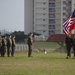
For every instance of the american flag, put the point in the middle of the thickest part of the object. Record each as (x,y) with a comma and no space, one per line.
(69,23)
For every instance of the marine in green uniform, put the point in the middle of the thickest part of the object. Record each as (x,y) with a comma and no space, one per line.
(0,43)
(30,42)
(13,46)
(9,45)
(74,46)
(3,48)
(68,43)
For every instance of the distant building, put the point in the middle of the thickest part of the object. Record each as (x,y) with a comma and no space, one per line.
(46,16)
(73,5)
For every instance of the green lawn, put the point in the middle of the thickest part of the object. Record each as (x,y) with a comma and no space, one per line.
(39,64)
(51,45)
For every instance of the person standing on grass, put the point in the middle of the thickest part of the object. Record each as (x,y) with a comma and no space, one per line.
(9,45)
(30,42)
(0,43)
(74,46)
(13,46)
(68,43)
(3,48)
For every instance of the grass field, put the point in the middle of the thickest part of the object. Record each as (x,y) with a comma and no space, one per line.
(39,64)
(50,47)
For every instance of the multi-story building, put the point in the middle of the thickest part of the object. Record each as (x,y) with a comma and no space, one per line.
(47,16)
(73,5)
(41,19)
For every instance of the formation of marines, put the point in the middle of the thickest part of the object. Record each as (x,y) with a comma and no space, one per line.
(7,45)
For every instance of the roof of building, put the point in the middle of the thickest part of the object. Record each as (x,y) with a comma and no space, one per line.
(56,38)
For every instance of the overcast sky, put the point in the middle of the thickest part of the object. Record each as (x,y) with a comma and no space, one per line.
(12,15)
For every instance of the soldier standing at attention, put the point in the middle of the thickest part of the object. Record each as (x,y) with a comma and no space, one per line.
(3,48)
(13,46)
(68,43)
(9,45)
(0,42)
(74,46)
(30,42)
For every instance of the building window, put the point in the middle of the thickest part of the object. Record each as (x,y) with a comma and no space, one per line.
(64,19)
(43,25)
(64,14)
(51,15)
(64,2)
(44,3)
(43,19)
(51,20)
(44,8)
(51,26)
(51,31)
(64,8)
(69,2)
(51,4)
(43,14)
(51,9)
(44,31)
(51,0)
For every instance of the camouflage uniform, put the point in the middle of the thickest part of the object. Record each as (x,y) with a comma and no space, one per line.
(68,43)
(73,41)
(30,42)
(3,48)
(9,45)
(0,43)
(13,46)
